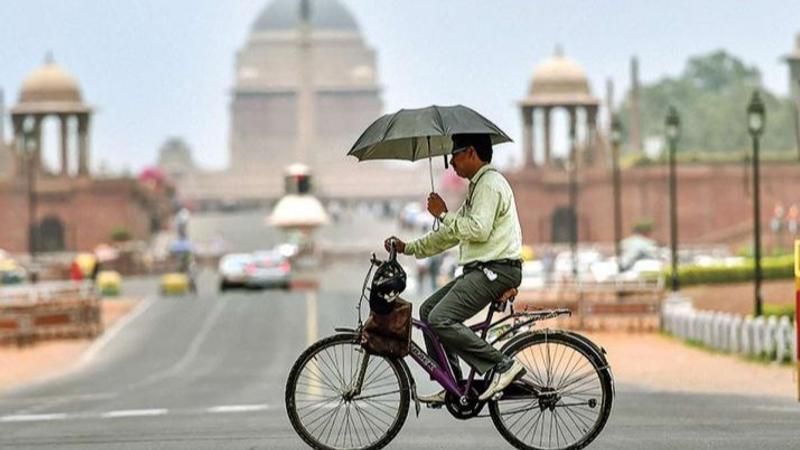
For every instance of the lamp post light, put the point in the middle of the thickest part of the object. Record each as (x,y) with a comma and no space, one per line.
(673,130)
(756,116)
(616,139)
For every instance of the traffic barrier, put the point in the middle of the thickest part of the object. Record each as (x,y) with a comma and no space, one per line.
(772,338)
(53,311)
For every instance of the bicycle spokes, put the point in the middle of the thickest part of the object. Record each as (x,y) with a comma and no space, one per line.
(345,399)
(557,404)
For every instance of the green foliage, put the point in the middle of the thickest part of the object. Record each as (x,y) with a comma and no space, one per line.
(120,234)
(772,309)
(772,268)
(711,96)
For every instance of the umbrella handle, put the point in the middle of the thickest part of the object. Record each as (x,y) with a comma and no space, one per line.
(435,226)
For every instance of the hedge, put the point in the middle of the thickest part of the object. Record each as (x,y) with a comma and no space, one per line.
(772,268)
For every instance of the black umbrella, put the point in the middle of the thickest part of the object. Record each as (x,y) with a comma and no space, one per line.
(414,134)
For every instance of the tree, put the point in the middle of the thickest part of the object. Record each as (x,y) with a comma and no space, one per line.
(711,97)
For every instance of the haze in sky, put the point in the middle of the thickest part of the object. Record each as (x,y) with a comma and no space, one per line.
(154,68)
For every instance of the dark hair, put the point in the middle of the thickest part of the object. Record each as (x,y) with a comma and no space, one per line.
(481,142)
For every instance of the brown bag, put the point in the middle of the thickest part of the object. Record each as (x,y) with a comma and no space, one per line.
(388,334)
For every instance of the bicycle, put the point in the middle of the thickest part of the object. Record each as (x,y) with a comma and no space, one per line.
(340,397)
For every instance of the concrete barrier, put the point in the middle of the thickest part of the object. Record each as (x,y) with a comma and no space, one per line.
(49,311)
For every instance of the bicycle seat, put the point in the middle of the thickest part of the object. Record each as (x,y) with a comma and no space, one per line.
(506,296)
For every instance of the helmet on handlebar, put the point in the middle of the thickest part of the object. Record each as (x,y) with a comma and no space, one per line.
(388,282)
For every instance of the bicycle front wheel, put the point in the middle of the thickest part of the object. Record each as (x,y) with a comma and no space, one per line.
(564,399)
(321,403)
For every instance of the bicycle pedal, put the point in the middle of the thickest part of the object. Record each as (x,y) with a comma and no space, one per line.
(497,396)
(434,405)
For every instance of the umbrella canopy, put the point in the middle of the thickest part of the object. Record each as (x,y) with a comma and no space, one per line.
(414,134)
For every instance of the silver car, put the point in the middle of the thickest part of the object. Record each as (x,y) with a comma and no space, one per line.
(268,269)
(232,270)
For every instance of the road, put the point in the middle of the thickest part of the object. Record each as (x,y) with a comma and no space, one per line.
(208,372)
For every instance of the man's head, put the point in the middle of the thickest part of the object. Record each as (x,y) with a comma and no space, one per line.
(470,152)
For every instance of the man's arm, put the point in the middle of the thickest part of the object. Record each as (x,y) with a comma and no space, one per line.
(476,225)
(432,243)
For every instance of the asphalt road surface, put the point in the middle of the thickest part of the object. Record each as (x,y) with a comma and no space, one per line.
(208,372)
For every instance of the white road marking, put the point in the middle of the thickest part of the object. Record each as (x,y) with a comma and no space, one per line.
(131,413)
(311,337)
(191,352)
(788,409)
(135,413)
(237,408)
(90,353)
(32,417)
(311,317)
(98,345)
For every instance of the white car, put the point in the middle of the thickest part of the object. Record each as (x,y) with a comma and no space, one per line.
(232,270)
(268,269)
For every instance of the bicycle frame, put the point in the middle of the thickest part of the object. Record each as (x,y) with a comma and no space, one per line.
(437,365)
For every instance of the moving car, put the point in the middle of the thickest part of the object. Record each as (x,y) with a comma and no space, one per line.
(232,270)
(268,269)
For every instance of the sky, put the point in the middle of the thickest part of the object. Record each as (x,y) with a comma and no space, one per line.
(153,69)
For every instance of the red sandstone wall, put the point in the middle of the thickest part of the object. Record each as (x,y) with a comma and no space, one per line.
(714,202)
(88,209)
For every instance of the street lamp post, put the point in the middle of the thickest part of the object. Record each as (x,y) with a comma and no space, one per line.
(616,139)
(756,116)
(573,199)
(30,145)
(673,129)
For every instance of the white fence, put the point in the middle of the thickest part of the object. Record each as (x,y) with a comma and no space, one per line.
(772,338)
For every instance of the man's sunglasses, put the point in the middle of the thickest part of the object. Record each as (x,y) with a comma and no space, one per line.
(459,150)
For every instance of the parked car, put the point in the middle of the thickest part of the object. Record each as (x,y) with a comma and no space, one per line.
(268,269)
(231,270)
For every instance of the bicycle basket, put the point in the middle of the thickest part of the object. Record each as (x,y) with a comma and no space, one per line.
(388,334)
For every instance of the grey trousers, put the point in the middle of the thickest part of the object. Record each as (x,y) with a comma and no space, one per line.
(446,310)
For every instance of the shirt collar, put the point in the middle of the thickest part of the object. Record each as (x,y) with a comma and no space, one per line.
(480,172)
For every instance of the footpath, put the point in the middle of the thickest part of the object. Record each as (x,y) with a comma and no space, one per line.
(19,365)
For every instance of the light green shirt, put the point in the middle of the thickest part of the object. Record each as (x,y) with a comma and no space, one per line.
(485,228)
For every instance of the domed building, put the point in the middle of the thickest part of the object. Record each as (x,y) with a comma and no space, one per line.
(306,87)
(558,82)
(51,91)
(62,208)
(561,202)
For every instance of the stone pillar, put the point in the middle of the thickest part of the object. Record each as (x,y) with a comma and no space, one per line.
(64,119)
(591,133)
(546,111)
(527,137)
(573,145)
(17,123)
(83,145)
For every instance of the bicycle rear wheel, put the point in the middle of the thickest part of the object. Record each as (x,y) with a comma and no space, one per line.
(564,399)
(323,411)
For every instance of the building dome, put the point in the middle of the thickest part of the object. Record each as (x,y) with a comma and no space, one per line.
(284,15)
(559,80)
(50,83)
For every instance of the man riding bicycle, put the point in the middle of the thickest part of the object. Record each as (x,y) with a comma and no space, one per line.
(487,230)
